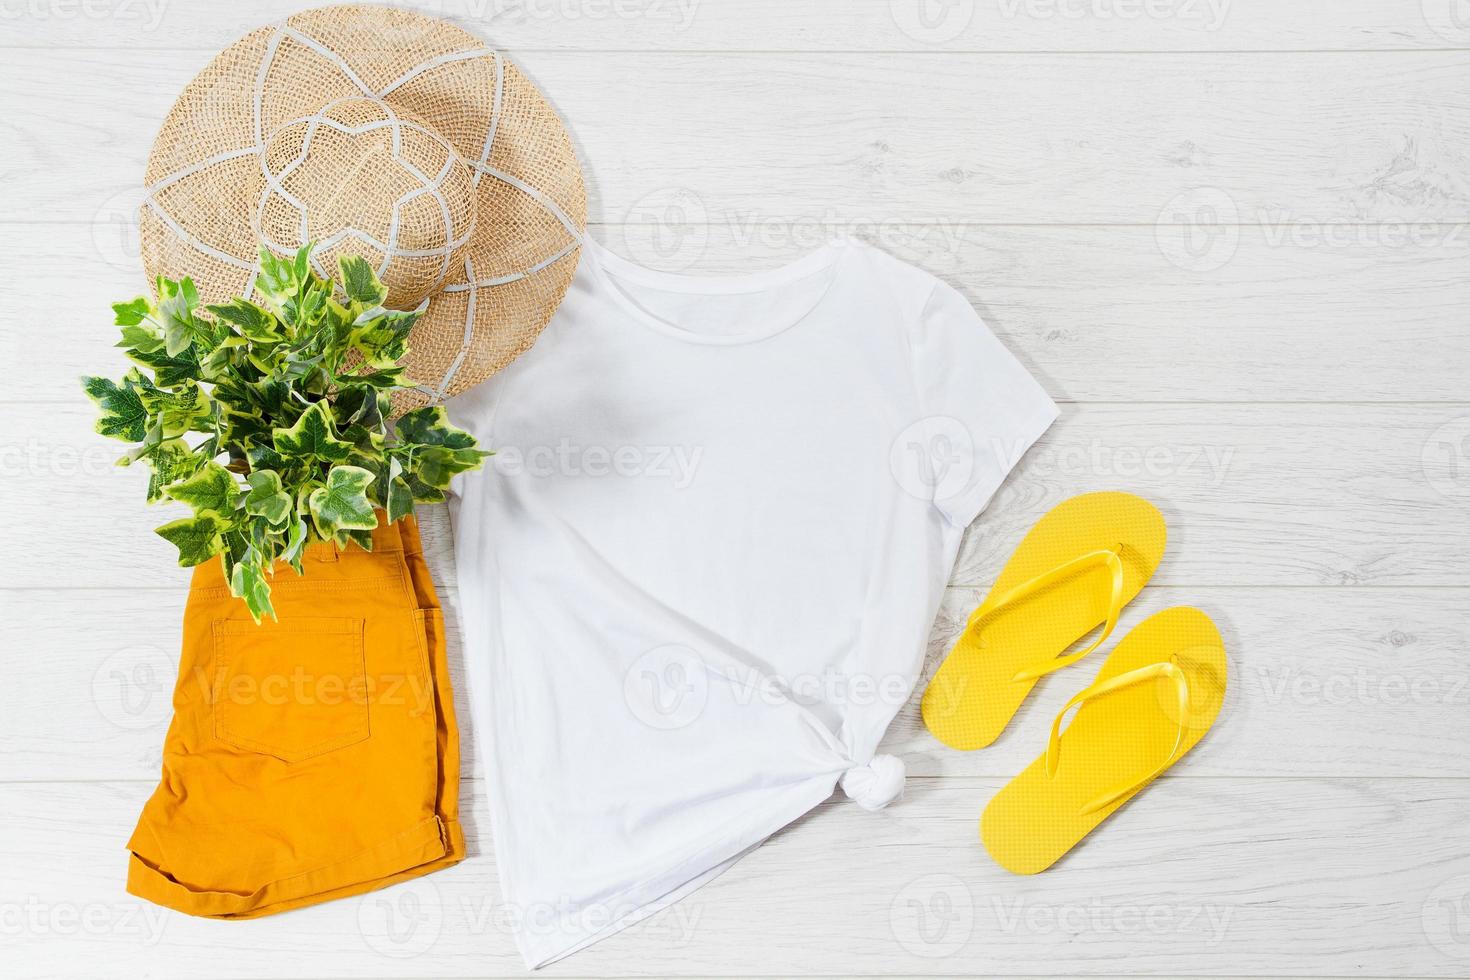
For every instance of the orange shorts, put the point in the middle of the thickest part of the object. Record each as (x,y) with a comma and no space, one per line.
(311,758)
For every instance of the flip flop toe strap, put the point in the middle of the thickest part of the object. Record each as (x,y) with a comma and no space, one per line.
(1139,676)
(1111,558)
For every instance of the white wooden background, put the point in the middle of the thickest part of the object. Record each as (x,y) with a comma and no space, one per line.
(1231,238)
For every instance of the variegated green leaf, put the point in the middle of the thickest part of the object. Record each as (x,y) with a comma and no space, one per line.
(133,312)
(430,426)
(176,302)
(295,547)
(183,409)
(123,414)
(393,377)
(360,282)
(293,388)
(277,280)
(168,369)
(422,492)
(211,492)
(342,504)
(363,539)
(265,458)
(255,323)
(266,498)
(437,466)
(141,338)
(362,405)
(364,439)
(171,461)
(301,311)
(197,538)
(312,436)
(248,581)
(381,336)
(139,327)
(399,498)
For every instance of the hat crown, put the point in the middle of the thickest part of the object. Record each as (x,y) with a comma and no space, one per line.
(363,177)
(221,185)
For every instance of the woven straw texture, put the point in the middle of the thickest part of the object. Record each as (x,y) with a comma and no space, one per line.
(383,133)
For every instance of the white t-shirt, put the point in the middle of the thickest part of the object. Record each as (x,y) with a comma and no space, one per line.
(698,578)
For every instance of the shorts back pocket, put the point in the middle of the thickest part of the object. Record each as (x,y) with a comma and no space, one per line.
(293,689)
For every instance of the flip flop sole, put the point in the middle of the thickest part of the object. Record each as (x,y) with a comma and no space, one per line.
(1121,735)
(973,695)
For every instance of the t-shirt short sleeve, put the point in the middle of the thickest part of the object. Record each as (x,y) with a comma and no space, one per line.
(982,409)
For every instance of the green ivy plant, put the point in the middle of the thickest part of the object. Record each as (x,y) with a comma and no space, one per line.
(270,419)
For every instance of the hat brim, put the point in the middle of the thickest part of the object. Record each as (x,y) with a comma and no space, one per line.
(204,176)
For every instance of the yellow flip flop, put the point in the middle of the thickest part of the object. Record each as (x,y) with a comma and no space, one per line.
(1154,699)
(1073,572)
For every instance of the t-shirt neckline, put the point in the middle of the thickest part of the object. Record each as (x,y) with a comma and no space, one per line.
(605,266)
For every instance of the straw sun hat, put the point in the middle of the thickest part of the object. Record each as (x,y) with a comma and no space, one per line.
(384,133)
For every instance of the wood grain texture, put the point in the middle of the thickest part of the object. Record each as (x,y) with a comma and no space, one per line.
(1357,683)
(1254,495)
(1369,137)
(1230,237)
(804,25)
(1323,876)
(1101,314)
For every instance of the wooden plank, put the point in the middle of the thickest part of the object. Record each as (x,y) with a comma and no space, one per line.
(114,683)
(1254,495)
(1058,160)
(1187,880)
(1325,682)
(1258,494)
(783,25)
(848,138)
(1100,313)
